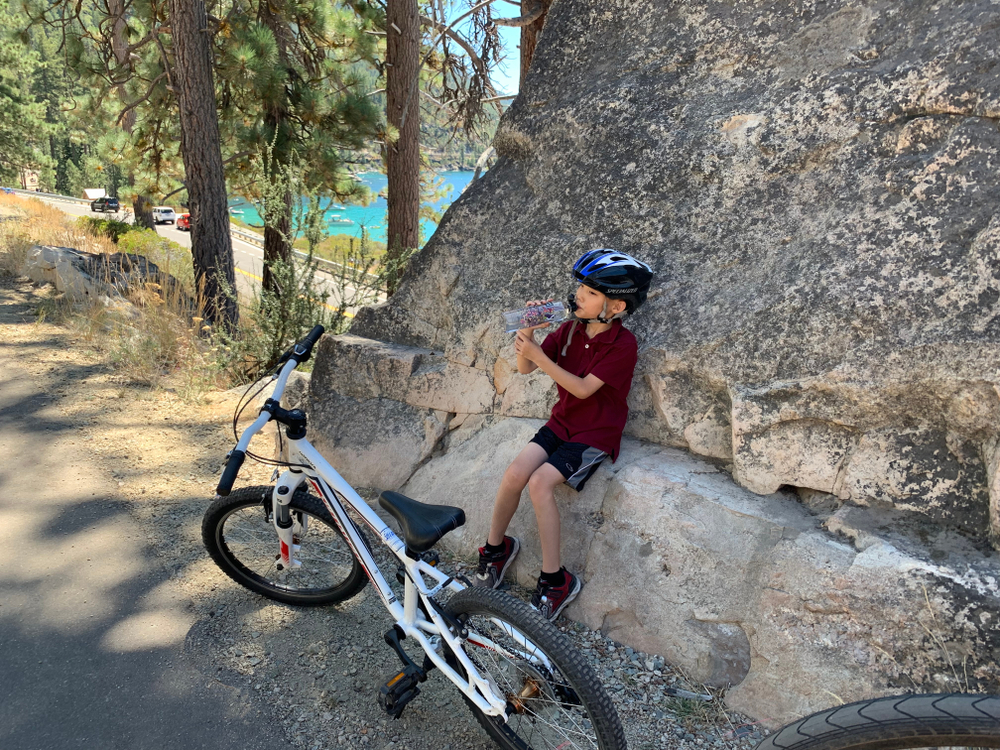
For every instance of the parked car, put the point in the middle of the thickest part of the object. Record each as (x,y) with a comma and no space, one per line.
(164,215)
(184,222)
(104,204)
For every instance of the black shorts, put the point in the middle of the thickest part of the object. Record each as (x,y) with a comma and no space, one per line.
(575,461)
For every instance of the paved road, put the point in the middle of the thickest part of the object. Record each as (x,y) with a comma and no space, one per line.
(248,258)
(92,630)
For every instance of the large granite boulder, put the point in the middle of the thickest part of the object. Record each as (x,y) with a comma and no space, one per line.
(785,605)
(815,186)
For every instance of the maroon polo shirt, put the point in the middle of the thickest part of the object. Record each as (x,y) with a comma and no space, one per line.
(599,420)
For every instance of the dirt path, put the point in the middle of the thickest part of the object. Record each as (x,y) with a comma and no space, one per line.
(309,676)
(93,628)
(296,678)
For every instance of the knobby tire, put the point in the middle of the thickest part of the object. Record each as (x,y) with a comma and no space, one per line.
(572,708)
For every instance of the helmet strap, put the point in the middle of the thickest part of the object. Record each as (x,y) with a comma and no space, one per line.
(602,318)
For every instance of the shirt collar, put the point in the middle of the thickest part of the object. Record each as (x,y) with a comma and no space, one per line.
(608,336)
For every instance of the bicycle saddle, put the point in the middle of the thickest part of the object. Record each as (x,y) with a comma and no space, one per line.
(422,524)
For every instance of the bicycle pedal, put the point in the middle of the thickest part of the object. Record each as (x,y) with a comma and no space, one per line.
(398,691)
(431,557)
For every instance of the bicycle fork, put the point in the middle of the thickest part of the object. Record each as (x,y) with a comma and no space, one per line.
(286,527)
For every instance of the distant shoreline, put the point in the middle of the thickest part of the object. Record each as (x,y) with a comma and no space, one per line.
(350,219)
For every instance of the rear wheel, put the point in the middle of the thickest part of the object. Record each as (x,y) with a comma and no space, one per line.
(902,722)
(239,534)
(558,701)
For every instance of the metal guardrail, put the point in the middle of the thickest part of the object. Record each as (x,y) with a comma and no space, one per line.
(251,238)
(329,266)
(52,196)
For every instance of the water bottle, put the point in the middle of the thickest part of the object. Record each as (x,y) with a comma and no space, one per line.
(536,315)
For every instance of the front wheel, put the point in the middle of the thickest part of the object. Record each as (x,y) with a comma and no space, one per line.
(557,700)
(901,722)
(239,534)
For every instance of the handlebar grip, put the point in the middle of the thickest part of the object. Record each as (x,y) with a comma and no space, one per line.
(236,460)
(303,350)
(313,336)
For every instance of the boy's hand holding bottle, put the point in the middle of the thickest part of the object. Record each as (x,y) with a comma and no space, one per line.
(524,343)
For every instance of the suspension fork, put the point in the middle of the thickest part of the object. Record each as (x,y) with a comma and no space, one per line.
(284,524)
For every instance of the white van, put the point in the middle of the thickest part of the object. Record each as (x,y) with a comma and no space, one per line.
(164,215)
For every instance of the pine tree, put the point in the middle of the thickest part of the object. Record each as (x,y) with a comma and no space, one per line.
(211,243)
(23,129)
(291,95)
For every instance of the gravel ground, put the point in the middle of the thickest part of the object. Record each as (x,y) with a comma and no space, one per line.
(314,671)
(320,670)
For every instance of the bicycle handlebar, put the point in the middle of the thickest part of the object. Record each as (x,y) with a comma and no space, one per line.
(312,337)
(295,356)
(236,459)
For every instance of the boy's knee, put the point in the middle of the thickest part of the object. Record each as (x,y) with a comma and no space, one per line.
(545,478)
(515,477)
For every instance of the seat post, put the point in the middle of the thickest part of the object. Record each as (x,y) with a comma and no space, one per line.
(410,599)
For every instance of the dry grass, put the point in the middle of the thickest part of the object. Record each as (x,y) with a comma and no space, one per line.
(147,338)
(47,225)
(153,336)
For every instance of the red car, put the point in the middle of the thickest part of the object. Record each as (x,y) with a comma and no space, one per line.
(184,222)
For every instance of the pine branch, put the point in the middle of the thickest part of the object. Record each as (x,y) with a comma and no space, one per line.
(137,102)
(526,20)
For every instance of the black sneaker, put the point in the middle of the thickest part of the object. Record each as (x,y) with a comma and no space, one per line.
(491,569)
(551,600)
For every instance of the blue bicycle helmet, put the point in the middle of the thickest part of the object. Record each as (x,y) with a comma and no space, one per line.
(615,274)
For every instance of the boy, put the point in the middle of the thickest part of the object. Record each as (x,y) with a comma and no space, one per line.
(593,371)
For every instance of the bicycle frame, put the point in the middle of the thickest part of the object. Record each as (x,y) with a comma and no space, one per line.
(335,492)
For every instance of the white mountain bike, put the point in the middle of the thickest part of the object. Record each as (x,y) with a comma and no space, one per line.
(523,680)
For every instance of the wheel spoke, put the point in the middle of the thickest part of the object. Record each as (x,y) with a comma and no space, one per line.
(325,559)
(543,719)
(242,540)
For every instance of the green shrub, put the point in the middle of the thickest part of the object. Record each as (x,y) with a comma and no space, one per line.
(171,257)
(113,229)
(335,247)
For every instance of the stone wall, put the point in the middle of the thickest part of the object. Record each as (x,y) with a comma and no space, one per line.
(815,185)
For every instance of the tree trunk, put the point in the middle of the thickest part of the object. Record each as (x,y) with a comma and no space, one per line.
(277,245)
(531,33)
(119,45)
(144,212)
(211,245)
(402,112)
(277,238)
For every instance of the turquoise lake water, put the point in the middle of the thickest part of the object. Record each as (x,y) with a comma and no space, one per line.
(348,219)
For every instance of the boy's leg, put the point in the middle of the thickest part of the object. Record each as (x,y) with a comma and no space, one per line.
(557,587)
(511,486)
(500,550)
(542,486)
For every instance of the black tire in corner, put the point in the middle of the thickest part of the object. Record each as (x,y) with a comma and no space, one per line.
(560,705)
(901,722)
(240,537)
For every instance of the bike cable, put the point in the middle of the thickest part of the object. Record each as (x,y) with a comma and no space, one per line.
(245,400)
